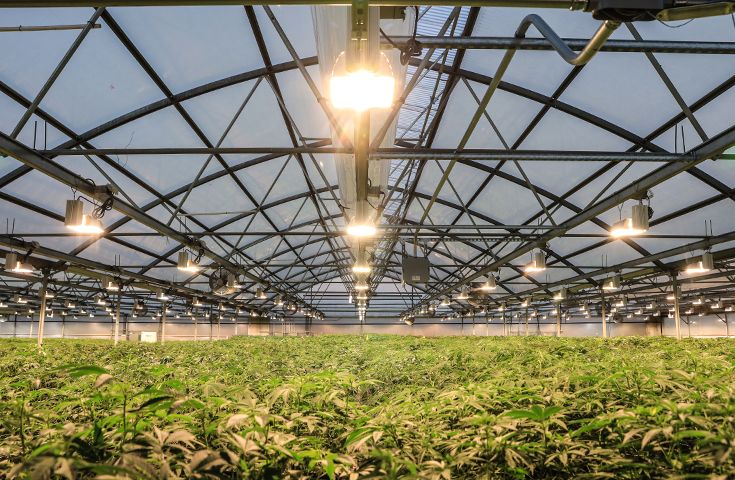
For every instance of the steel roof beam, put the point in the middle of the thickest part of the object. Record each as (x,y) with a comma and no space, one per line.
(505,43)
(397,154)
(113,270)
(568,4)
(705,151)
(48,167)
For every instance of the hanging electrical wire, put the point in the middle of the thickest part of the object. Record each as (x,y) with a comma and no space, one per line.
(413,47)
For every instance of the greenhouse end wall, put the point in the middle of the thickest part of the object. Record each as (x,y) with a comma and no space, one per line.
(183,329)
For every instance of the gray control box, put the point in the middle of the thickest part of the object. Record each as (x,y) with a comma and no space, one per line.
(415,270)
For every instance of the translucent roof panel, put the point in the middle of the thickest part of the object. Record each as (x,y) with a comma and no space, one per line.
(158,88)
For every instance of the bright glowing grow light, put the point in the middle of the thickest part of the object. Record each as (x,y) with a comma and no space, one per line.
(76,220)
(362,89)
(538,264)
(634,225)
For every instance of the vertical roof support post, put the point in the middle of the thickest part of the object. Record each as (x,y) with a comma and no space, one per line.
(117,316)
(677,318)
(163,322)
(604,314)
(42,315)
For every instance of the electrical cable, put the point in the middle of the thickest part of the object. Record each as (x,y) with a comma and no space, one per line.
(413,47)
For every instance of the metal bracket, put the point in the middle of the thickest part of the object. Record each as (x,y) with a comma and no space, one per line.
(393,13)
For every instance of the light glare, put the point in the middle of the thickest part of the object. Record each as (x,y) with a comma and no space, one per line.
(362,90)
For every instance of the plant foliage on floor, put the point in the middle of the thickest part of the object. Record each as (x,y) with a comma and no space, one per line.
(374,406)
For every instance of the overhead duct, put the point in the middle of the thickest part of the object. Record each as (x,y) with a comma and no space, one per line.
(333,27)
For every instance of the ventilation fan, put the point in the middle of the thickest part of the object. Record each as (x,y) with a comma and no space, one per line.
(478,298)
(141,310)
(218,282)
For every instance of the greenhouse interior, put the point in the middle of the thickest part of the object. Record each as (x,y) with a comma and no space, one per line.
(367,239)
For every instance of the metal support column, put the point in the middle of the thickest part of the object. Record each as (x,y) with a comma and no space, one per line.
(117,316)
(677,318)
(196,318)
(727,327)
(558,320)
(504,334)
(604,315)
(219,319)
(42,315)
(526,321)
(163,323)
(487,325)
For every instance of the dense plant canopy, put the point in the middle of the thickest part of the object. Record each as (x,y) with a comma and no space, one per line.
(370,406)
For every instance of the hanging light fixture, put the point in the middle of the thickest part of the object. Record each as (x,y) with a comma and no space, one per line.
(160,294)
(185,264)
(361,265)
(463,294)
(260,294)
(561,295)
(17,266)
(361,285)
(633,225)
(362,295)
(362,224)
(445,302)
(108,284)
(538,264)
(489,284)
(99,300)
(18,298)
(671,295)
(700,300)
(195,302)
(612,284)
(362,77)
(502,307)
(362,89)
(76,220)
(705,264)
(524,303)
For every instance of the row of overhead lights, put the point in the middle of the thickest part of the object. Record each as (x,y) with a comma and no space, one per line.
(583,309)
(111,284)
(293,308)
(699,264)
